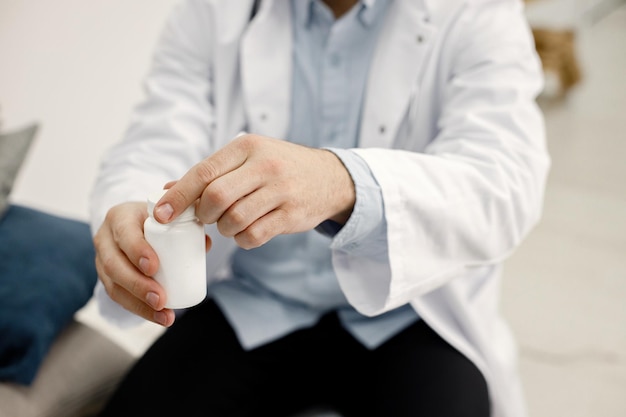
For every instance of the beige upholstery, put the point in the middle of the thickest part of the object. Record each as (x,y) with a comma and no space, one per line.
(79,373)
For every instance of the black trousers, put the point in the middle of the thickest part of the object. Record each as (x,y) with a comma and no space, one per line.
(198,368)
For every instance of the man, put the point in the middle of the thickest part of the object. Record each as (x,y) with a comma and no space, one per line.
(394,158)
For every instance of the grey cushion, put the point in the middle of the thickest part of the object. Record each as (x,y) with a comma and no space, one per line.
(14,147)
(80,372)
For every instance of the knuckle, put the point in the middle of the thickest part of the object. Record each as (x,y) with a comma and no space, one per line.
(97,241)
(232,221)
(206,171)
(274,166)
(109,216)
(223,229)
(253,237)
(108,264)
(118,233)
(248,142)
(204,218)
(236,217)
(217,196)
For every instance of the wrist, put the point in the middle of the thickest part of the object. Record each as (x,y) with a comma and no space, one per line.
(342,190)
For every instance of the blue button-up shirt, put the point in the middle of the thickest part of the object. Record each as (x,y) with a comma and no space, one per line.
(289,282)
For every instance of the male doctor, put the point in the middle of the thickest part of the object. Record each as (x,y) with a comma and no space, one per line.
(395,157)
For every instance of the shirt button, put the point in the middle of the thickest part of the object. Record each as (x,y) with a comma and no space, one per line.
(335,60)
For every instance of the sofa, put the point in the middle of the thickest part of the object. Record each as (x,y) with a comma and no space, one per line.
(51,364)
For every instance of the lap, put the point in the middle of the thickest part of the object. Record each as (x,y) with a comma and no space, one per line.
(197,367)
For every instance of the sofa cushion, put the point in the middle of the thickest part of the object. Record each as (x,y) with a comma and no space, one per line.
(47,273)
(79,373)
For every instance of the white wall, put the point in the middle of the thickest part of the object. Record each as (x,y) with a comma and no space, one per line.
(76,67)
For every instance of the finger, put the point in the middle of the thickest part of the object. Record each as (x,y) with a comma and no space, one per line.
(127,276)
(120,295)
(124,255)
(263,229)
(127,235)
(114,263)
(245,211)
(221,194)
(191,186)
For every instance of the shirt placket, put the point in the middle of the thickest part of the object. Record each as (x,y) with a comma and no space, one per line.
(334,87)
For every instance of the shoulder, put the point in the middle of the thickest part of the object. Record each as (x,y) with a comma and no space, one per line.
(224,9)
(211,18)
(443,11)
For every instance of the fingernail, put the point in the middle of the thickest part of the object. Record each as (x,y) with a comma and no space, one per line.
(144,264)
(164,212)
(152,299)
(161,318)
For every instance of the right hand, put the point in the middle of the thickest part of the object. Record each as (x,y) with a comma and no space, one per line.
(126,262)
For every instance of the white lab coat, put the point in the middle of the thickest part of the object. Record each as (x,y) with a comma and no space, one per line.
(450,131)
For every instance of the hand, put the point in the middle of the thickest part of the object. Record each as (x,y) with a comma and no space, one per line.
(125,263)
(257,187)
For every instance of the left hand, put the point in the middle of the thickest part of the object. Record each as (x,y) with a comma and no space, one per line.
(258,187)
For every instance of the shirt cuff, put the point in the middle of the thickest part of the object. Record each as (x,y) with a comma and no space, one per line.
(365,232)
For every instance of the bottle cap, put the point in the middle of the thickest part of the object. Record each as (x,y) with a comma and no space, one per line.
(189,213)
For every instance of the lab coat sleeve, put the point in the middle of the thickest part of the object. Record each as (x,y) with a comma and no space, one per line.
(476,190)
(169,131)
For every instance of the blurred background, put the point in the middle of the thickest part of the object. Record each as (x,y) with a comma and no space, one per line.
(76,68)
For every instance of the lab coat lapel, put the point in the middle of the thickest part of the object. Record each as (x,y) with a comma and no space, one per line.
(266,69)
(396,66)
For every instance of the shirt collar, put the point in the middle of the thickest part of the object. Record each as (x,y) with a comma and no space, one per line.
(368,11)
(304,11)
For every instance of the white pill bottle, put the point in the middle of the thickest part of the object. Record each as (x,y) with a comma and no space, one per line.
(180,246)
